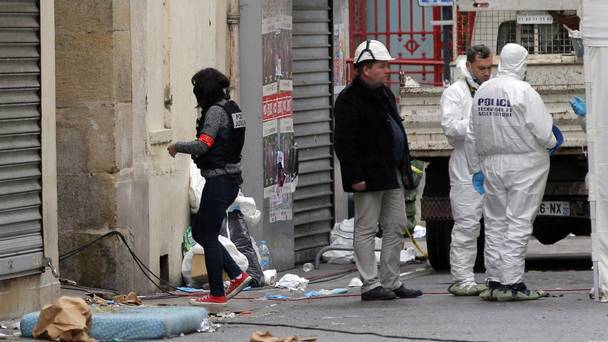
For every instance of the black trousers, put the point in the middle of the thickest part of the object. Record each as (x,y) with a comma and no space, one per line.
(218,194)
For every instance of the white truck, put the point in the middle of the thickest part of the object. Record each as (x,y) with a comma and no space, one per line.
(554,70)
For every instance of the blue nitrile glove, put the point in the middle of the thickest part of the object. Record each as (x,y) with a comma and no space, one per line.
(478,182)
(559,137)
(578,106)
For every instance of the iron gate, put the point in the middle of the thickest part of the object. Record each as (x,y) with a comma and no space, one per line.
(408,32)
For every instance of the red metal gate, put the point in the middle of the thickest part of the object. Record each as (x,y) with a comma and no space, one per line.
(406,30)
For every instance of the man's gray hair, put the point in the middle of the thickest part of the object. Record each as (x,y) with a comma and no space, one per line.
(480,51)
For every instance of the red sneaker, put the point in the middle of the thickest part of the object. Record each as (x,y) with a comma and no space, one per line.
(209,300)
(237,285)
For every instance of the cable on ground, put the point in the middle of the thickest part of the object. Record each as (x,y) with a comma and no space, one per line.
(144,269)
(400,337)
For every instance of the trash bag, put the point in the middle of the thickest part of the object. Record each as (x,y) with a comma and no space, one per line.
(195,190)
(187,240)
(238,232)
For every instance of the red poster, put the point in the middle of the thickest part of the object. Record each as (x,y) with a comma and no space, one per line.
(276,106)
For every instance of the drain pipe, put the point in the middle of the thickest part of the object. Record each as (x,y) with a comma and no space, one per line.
(233,20)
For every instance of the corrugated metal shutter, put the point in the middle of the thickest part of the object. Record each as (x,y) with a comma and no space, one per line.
(21,245)
(312,112)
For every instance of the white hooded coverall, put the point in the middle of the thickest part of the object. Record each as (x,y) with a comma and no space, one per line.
(507,139)
(456,103)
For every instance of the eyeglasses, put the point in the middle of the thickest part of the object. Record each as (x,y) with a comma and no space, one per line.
(364,51)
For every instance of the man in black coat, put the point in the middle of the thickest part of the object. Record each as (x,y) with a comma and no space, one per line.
(371,144)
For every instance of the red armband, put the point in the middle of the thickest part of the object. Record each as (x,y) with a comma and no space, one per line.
(206,139)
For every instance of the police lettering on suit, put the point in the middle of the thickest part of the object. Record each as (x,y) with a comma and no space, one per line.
(497,107)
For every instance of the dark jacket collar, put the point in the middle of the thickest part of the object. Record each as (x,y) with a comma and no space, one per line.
(366,92)
(362,88)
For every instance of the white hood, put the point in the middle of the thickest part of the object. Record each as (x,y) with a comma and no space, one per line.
(463,72)
(513,61)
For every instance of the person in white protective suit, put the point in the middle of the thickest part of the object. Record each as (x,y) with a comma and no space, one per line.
(508,142)
(466,203)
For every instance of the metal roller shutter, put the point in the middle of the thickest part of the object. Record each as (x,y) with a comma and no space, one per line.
(21,245)
(313,122)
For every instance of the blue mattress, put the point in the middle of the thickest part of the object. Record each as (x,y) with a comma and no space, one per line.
(134,323)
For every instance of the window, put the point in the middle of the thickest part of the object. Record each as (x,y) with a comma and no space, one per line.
(537,39)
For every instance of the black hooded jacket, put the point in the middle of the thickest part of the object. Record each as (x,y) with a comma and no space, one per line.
(364,139)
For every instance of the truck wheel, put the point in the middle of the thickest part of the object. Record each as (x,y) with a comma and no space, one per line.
(438,238)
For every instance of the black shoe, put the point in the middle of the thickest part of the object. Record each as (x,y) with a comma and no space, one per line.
(378,293)
(404,292)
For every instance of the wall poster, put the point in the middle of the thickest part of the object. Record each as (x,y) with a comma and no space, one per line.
(277,116)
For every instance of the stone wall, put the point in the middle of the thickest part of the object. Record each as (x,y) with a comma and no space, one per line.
(123,94)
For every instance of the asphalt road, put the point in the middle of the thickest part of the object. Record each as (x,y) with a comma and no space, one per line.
(567,315)
(563,269)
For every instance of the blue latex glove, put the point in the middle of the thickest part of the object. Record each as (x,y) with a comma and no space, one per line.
(478,182)
(559,137)
(578,106)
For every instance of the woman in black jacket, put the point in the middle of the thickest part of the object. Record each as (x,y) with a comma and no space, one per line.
(220,134)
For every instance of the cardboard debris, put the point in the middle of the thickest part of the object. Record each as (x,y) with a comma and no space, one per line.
(68,319)
(199,269)
(266,336)
(130,299)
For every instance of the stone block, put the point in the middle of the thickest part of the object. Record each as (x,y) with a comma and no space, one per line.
(84,15)
(71,150)
(121,15)
(122,66)
(84,68)
(86,139)
(106,264)
(86,201)
(100,201)
(70,209)
(124,135)
(100,139)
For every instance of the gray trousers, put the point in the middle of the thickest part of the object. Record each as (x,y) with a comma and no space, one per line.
(388,209)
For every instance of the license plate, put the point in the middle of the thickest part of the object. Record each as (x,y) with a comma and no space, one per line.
(554,208)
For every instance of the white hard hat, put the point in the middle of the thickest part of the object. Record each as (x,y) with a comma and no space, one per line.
(372,50)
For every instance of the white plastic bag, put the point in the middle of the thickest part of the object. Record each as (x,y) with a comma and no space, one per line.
(187,267)
(195,191)
(292,282)
(247,206)
(341,235)
(239,258)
